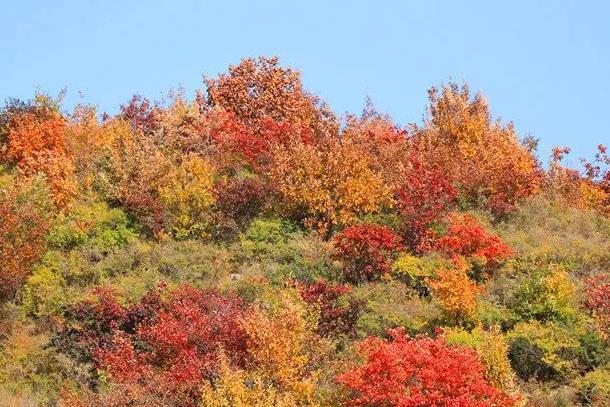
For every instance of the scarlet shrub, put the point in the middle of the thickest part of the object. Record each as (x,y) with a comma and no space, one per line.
(335,317)
(420,372)
(598,302)
(467,237)
(240,199)
(170,344)
(367,251)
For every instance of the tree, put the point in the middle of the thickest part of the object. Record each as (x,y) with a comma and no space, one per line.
(36,144)
(186,193)
(24,222)
(259,89)
(367,251)
(482,157)
(419,372)
(328,186)
(424,197)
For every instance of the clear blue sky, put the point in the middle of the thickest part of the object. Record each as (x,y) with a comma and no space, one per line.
(543,64)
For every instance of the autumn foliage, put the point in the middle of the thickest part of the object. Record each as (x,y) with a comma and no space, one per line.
(598,302)
(36,144)
(466,237)
(407,371)
(24,222)
(366,251)
(234,248)
(482,156)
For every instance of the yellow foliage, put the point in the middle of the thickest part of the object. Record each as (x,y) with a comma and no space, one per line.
(236,388)
(328,186)
(187,194)
(278,349)
(483,156)
(455,292)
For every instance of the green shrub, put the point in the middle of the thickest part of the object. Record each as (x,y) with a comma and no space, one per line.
(545,231)
(547,294)
(594,387)
(95,226)
(493,350)
(390,305)
(415,270)
(543,351)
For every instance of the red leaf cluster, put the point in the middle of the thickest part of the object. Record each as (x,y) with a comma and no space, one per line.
(335,318)
(172,342)
(466,237)
(597,300)
(366,251)
(420,372)
(424,198)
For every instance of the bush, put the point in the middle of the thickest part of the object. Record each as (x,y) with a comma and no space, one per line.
(420,371)
(544,352)
(25,212)
(391,304)
(548,294)
(95,226)
(493,350)
(545,231)
(366,251)
(594,387)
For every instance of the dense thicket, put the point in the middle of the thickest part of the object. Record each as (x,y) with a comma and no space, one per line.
(251,248)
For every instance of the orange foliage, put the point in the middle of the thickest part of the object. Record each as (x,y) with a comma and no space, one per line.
(455,292)
(277,348)
(328,186)
(36,144)
(482,156)
(259,89)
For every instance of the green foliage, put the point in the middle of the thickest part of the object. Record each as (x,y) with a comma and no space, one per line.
(547,294)
(493,350)
(594,387)
(265,237)
(415,270)
(390,305)
(543,351)
(95,226)
(280,252)
(545,231)
(6,176)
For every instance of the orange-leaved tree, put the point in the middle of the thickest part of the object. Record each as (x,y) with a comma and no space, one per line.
(484,158)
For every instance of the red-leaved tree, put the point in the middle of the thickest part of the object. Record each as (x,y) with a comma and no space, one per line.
(424,198)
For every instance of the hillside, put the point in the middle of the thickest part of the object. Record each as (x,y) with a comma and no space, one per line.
(250,247)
